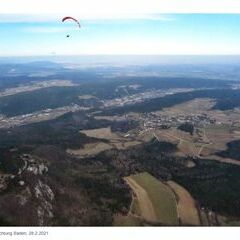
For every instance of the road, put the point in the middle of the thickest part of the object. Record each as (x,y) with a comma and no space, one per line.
(206,139)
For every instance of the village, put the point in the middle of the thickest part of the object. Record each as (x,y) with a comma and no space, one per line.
(131,99)
(38,116)
(158,120)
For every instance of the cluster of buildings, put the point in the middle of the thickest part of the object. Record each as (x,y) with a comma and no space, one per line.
(164,121)
(142,96)
(47,114)
(35,86)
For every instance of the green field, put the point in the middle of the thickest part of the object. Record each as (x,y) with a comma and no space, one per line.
(161,196)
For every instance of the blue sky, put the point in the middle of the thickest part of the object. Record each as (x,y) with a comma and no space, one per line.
(173,34)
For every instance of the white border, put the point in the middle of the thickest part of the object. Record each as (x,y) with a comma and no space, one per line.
(108,8)
(124,233)
(113,7)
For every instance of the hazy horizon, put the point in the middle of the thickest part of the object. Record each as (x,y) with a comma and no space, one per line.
(130,59)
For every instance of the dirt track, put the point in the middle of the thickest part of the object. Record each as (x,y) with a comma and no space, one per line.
(145,204)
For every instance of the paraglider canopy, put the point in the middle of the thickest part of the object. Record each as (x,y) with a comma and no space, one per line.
(73,19)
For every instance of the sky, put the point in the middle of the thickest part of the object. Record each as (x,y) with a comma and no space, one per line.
(138,34)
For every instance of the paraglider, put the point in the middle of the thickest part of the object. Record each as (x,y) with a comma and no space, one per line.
(72,19)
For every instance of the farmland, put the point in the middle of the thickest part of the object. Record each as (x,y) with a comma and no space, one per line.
(90,149)
(157,202)
(186,205)
(105,134)
(102,133)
